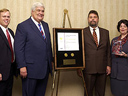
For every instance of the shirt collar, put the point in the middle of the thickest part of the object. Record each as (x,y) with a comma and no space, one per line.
(3,28)
(35,21)
(93,28)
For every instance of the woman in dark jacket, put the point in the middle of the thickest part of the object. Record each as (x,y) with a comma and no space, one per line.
(119,71)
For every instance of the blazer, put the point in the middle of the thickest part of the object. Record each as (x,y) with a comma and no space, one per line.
(97,58)
(119,68)
(5,55)
(31,50)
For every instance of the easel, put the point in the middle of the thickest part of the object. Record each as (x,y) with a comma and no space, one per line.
(55,72)
(66,13)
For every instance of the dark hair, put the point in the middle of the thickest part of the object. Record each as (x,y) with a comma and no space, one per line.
(124,21)
(94,12)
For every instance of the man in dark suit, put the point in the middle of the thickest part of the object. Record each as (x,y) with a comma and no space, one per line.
(97,55)
(7,64)
(33,52)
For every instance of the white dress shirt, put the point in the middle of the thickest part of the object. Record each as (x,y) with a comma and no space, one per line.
(12,39)
(97,32)
(36,23)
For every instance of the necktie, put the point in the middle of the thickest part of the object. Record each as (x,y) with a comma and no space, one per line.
(95,37)
(41,31)
(10,44)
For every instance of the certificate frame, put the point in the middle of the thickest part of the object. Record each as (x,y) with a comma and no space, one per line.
(72,58)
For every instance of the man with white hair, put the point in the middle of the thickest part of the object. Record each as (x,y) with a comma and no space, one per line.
(33,52)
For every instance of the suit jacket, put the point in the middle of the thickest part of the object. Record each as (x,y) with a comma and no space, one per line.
(5,55)
(120,64)
(97,58)
(31,50)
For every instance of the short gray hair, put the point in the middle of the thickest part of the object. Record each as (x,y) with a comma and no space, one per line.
(37,4)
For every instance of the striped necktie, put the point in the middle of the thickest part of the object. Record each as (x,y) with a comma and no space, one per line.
(95,37)
(41,31)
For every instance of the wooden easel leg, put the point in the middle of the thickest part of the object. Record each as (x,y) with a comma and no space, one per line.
(53,83)
(58,83)
(84,83)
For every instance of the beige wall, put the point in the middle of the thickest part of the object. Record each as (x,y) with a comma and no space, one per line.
(110,12)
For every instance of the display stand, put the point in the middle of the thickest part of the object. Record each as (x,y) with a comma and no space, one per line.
(57,69)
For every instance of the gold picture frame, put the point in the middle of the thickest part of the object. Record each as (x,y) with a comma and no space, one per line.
(68,46)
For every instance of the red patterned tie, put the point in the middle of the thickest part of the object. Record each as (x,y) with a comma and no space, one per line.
(95,37)
(10,44)
(41,31)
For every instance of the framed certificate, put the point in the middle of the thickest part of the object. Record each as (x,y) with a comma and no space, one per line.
(68,48)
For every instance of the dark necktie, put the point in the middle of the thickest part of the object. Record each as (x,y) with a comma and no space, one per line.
(41,31)
(10,44)
(95,37)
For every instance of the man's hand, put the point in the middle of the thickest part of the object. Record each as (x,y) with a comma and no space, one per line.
(108,70)
(79,72)
(23,72)
(0,77)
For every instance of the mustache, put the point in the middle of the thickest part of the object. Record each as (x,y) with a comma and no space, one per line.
(93,21)
(92,24)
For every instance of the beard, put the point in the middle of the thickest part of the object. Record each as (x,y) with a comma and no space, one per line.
(92,23)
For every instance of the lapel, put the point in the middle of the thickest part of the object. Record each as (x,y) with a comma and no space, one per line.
(35,29)
(101,36)
(100,33)
(4,37)
(11,32)
(90,35)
